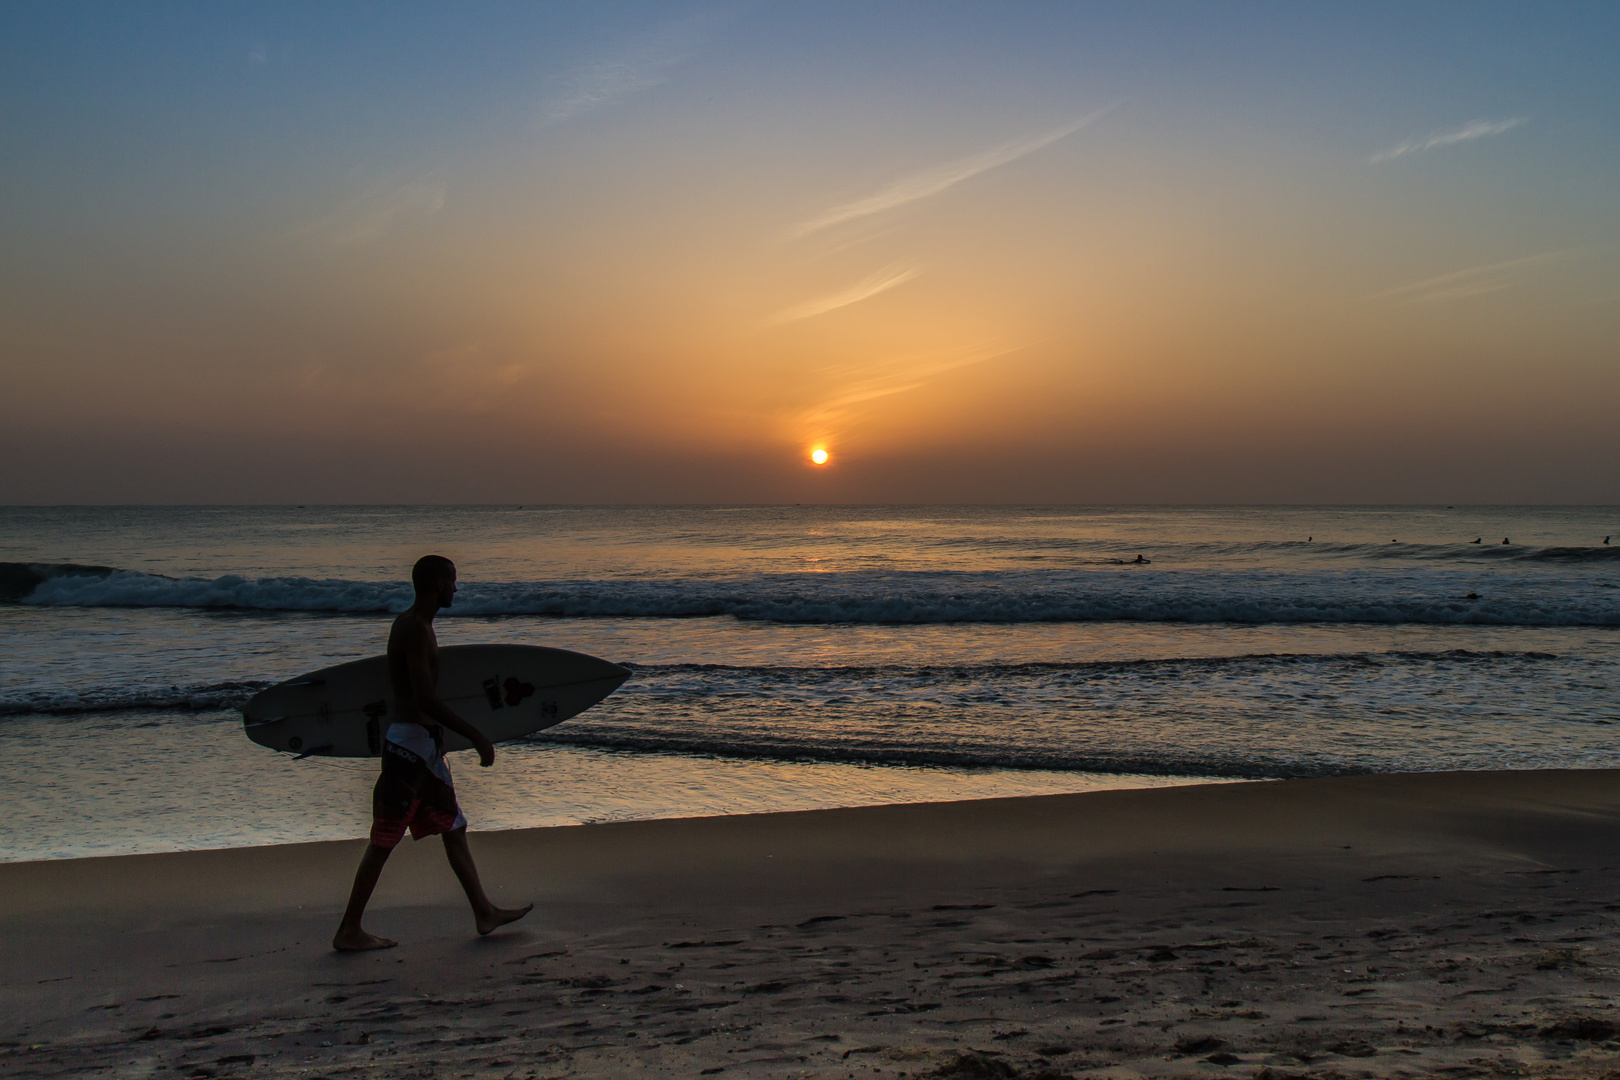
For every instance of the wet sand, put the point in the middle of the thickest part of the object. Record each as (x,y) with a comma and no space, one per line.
(1434,925)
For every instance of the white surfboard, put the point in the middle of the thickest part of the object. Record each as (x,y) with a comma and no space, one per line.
(506,691)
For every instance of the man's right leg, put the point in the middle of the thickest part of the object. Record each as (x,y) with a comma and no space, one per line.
(486,916)
(350,937)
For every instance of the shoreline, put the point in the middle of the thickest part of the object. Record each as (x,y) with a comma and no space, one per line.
(271,800)
(1376,925)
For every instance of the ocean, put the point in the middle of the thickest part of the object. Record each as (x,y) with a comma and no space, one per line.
(790,657)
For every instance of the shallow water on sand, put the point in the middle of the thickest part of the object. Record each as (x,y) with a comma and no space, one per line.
(143,782)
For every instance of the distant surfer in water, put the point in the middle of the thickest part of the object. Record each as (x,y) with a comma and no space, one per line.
(414,791)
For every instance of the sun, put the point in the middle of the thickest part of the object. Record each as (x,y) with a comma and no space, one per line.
(819,455)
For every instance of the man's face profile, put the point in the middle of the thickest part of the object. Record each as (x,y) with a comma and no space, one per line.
(446,587)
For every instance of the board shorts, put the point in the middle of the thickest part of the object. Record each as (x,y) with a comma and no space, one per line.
(414,792)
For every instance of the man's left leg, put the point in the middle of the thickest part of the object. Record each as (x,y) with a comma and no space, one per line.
(485,913)
(350,937)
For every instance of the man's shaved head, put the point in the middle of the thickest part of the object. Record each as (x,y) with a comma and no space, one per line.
(430,569)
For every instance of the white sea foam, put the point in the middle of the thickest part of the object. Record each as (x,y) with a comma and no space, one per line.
(703,682)
(131,589)
(1249,597)
(1089,716)
(197,698)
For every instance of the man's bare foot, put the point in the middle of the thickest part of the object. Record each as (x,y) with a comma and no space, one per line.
(500,917)
(360,941)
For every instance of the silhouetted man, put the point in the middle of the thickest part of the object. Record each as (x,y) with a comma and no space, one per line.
(415,791)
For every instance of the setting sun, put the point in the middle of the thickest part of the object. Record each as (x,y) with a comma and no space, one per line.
(819,455)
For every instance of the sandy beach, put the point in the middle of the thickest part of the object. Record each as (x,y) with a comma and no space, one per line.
(1441,924)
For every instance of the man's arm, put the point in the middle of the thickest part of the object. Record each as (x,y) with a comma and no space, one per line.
(429,705)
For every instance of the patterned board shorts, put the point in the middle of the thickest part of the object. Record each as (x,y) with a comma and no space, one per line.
(409,796)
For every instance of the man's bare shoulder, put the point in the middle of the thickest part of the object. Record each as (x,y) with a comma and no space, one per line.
(410,634)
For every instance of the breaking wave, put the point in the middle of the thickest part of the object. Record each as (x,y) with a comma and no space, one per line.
(19,580)
(1486,552)
(699,682)
(1435,597)
(1165,664)
(200,698)
(1243,766)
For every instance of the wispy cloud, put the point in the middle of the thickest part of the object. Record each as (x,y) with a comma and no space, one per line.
(647,64)
(1474,129)
(379,208)
(1486,278)
(920,185)
(865,289)
(871,382)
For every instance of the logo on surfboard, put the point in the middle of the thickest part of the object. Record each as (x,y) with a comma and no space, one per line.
(517,691)
(511,692)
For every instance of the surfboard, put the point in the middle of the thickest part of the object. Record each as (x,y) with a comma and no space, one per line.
(506,691)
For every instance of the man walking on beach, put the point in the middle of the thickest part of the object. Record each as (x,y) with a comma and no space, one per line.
(414,791)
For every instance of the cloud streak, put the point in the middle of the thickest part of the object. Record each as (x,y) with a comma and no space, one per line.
(865,289)
(640,68)
(921,185)
(1486,278)
(1474,129)
(366,218)
(897,377)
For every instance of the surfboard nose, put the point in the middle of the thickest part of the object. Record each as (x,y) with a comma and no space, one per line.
(593,668)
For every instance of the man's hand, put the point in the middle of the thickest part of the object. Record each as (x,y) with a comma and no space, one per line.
(480,742)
